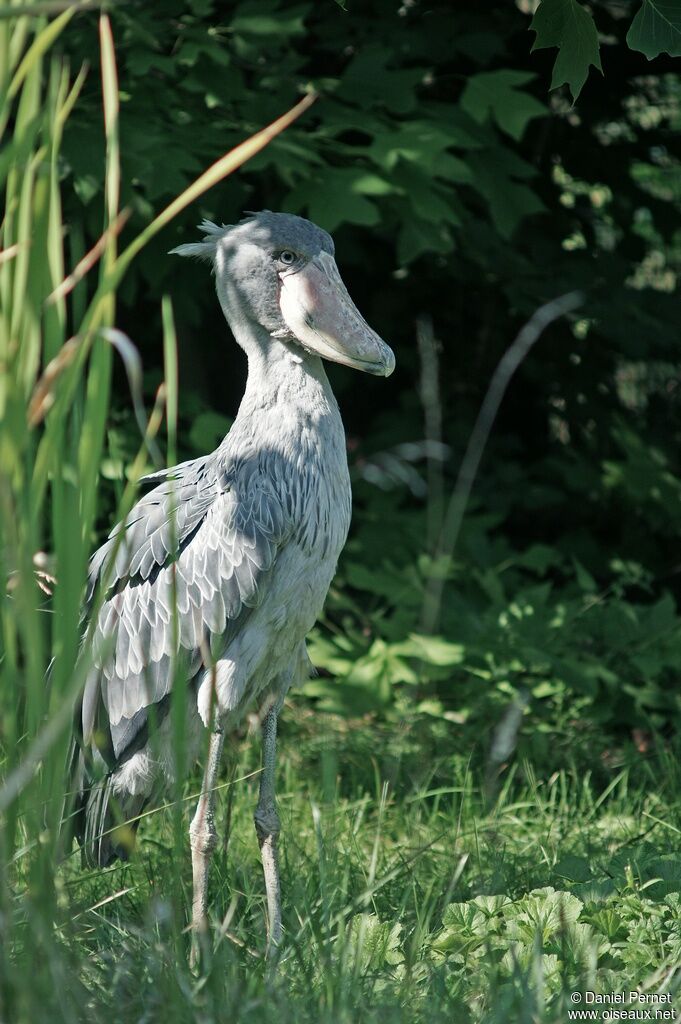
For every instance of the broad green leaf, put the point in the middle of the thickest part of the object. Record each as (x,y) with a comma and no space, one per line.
(341,697)
(368,184)
(570,27)
(609,922)
(169,178)
(373,942)
(491,906)
(539,558)
(432,649)
(451,168)
(368,80)
(419,236)
(381,580)
(577,869)
(497,95)
(508,201)
(545,965)
(331,197)
(465,917)
(325,654)
(545,910)
(432,202)
(290,158)
(656,28)
(465,927)
(379,670)
(585,580)
(252,20)
(422,142)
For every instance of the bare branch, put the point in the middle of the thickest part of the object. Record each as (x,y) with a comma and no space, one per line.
(508,364)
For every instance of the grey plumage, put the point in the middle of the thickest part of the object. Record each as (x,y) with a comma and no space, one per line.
(204,536)
(223,566)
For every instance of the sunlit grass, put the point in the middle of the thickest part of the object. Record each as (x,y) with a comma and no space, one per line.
(369,869)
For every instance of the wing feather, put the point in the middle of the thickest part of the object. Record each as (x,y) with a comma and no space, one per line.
(200,544)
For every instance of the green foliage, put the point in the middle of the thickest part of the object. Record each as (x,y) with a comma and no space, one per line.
(558,935)
(656,29)
(569,26)
(497,94)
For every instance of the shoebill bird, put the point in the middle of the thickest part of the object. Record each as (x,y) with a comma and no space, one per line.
(223,567)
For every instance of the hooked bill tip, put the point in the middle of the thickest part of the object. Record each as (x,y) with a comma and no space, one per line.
(389,364)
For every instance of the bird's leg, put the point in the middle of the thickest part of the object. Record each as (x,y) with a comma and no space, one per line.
(267,828)
(203,838)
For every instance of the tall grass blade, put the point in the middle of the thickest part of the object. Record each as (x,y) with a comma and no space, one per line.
(41,44)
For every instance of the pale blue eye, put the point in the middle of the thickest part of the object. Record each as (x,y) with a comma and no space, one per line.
(287,257)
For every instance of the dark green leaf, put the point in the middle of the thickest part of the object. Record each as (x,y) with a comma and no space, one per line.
(656,28)
(207,430)
(570,27)
(368,80)
(251,19)
(508,201)
(497,95)
(419,236)
(335,197)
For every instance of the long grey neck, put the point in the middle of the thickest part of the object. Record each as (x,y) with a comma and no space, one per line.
(287,390)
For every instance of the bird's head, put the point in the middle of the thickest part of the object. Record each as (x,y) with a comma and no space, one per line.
(279,271)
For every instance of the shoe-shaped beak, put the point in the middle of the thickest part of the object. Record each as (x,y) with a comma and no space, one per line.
(319,312)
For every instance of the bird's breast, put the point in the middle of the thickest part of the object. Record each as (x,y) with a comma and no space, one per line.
(324,509)
(298,444)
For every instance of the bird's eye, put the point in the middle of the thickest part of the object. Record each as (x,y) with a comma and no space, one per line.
(287,257)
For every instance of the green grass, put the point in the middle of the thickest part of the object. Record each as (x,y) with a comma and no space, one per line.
(391,851)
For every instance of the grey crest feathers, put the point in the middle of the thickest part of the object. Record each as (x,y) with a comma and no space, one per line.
(205,250)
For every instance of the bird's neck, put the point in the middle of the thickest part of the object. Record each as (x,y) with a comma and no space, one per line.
(287,389)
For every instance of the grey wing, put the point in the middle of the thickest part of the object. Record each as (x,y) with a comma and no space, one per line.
(158,525)
(200,542)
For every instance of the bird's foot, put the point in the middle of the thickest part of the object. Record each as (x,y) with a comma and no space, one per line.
(203,840)
(267,828)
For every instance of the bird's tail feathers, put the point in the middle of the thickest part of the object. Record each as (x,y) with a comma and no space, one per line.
(111,822)
(103,821)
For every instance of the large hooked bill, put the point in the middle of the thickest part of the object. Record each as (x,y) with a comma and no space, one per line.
(319,312)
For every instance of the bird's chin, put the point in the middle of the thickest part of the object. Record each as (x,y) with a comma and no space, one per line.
(321,316)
